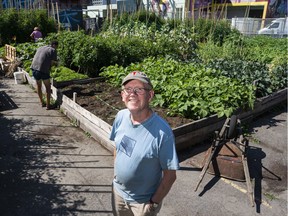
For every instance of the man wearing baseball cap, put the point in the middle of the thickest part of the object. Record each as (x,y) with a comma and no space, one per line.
(145,155)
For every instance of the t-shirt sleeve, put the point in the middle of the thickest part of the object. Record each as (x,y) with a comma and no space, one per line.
(115,125)
(168,154)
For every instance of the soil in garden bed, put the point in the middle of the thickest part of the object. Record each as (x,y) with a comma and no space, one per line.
(104,101)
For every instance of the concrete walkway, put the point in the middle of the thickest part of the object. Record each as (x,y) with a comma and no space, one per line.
(50,167)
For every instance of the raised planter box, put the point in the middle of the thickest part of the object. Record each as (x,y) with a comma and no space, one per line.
(197,131)
(70,82)
(185,135)
(87,121)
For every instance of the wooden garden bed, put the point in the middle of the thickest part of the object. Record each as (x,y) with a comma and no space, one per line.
(80,81)
(186,135)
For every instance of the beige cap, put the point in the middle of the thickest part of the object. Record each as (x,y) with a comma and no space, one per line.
(137,75)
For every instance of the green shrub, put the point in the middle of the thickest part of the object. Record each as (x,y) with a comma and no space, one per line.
(214,30)
(65,74)
(17,25)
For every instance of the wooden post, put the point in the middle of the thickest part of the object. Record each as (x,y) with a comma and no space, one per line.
(74,96)
(107,8)
(48,9)
(111,14)
(58,19)
(53,11)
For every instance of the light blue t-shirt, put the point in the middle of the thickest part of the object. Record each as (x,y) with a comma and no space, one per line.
(142,152)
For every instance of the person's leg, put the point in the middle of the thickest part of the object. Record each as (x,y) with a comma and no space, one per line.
(119,206)
(47,84)
(37,77)
(39,90)
(143,209)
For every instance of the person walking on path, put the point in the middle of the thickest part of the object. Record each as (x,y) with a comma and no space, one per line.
(43,59)
(145,157)
(36,34)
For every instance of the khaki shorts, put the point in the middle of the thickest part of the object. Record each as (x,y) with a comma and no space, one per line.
(122,208)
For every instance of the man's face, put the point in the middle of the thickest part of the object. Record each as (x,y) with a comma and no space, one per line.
(136,102)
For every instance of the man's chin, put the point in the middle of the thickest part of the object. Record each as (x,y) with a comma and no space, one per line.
(133,108)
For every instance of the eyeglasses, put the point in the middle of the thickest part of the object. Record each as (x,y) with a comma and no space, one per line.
(138,91)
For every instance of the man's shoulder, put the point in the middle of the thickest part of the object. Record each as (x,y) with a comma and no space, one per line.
(123,112)
(43,47)
(47,48)
(159,122)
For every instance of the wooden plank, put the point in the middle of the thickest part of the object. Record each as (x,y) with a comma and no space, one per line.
(183,129)
(196,136)
(96,132)
(85,113)
(80,120)
(264,104)
(78,81)
(54,93)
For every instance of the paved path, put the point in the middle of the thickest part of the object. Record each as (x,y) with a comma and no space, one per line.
(50,167)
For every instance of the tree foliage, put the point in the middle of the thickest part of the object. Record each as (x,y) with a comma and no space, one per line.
(17,25)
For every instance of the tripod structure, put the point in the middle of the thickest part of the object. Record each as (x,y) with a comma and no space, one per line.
(231,137)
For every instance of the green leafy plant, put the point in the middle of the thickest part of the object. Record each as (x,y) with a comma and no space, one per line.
(65,74)
(248,72)
(87,134)
(190,89)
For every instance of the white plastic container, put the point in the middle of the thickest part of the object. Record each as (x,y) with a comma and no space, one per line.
(19,77)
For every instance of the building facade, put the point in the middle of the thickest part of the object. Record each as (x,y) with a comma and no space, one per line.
(181,9)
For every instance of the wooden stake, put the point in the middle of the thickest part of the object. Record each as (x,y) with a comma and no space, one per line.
(58,19)
(53,10)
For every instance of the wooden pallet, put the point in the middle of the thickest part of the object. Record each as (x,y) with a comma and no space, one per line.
(9,58)
(10,53)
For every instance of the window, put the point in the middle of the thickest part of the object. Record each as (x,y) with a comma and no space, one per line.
(274,25)
(97,2)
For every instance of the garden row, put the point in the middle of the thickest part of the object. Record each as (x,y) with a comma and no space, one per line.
(186,135)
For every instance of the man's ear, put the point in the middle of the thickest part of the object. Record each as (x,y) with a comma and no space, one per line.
(151,95)
(122,93)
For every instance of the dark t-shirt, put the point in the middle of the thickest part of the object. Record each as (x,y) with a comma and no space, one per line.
(43,58)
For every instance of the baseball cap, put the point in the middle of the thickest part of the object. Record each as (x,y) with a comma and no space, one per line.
(137,75)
